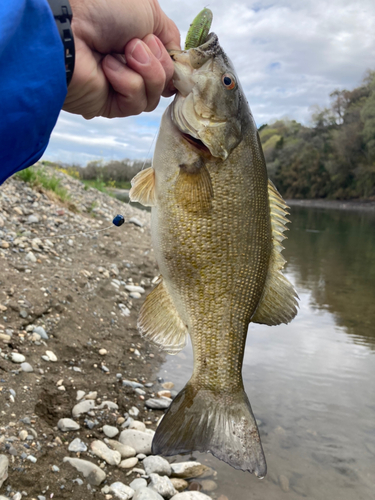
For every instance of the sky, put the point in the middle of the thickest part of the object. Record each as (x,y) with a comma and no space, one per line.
(289,56)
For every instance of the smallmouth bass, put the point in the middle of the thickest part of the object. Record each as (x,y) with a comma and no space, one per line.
(217,227)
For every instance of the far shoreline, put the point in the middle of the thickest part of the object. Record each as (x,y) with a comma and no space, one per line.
(358,205)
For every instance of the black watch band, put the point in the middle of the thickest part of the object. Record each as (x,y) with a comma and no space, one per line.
(63,16)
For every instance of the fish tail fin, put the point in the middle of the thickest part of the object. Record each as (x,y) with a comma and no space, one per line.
(222,424)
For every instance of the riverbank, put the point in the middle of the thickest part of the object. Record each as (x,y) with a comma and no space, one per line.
(68,337)
(334,204)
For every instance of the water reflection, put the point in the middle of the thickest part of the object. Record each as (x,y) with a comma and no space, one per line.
(310,382)
(332,254)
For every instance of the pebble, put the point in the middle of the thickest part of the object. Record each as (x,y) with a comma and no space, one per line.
(67,424)
(146,494)
(191,495)
(31,257)
(101,450)
(188,470)
(162,485)
(140,441)
(51,356)
(135,295)
(26,367)
(134,412)
(121,491)
(179,484)
(138,483)
(83,407)
(23,435)
(94,474)
(158,403)
(167,385)
(39,330)
(139,391)
(80,395)
(110,431)
(103,352)
(133,288)
(107,404)
(124,450)
(132,384)
(31,458)
(77,446)
(55,468)
(4,464)
(137,425)
(141,456)
(129,463)
(135,221)
(32,219)
(157,465)
(16,357)
(92,395)
(208,485)
(284,483)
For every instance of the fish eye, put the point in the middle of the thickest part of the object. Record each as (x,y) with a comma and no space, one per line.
(229,81)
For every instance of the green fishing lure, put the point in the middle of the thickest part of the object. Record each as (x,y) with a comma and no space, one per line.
(199,29)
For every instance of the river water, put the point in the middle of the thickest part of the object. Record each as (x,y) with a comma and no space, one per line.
(312,383)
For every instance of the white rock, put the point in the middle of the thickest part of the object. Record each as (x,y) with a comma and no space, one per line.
(187,470)
(191,495)
(102,352)
(77,446)
(51,356)
(92,395)
(135,295)
(23,435)
(110,431)
(158,403)
(157,465)
(67,424)
(121,491)
(162,485)
(16,357)
(26,367)
(124,450)
(41,331)
(83,407)
(31,257)
(107,404)
(80,395)
(146,494)
(129,463)
(32,219)
(133,288)
(140,441)
(134,412)
(137,425)
(138,483)
(101,450)
(90,471)
(4,464)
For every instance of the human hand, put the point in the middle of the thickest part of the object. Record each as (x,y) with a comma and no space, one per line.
(108,33)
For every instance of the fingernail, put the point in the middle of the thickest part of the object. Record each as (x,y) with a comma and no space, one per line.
(154,47)
(113,63)
(140,53)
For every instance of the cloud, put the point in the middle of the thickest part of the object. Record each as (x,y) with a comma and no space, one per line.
(289,56)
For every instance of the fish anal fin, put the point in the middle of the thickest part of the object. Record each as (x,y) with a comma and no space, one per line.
(160,323)
(220,423)
(193,188)
(143,187)
(279,300)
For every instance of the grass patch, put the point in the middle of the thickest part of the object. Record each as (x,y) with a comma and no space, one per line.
(38,178)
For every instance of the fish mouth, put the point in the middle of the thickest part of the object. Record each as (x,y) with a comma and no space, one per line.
(197,143)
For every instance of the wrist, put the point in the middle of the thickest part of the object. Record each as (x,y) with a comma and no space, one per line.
(62,13)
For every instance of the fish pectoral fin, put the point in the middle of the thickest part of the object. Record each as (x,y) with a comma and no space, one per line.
(279,300)
(221,423)
(143,187)
(193,188)
(160,322)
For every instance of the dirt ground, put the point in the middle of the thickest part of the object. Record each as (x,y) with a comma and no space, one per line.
(68,288)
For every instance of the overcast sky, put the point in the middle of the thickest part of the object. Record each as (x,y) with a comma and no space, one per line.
(289,55)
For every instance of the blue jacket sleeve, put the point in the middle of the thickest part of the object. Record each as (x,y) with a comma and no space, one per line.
(32,82)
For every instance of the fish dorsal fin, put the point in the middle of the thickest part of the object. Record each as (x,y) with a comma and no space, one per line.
(160,322)
(193,188)
(143,187)
(279,300)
